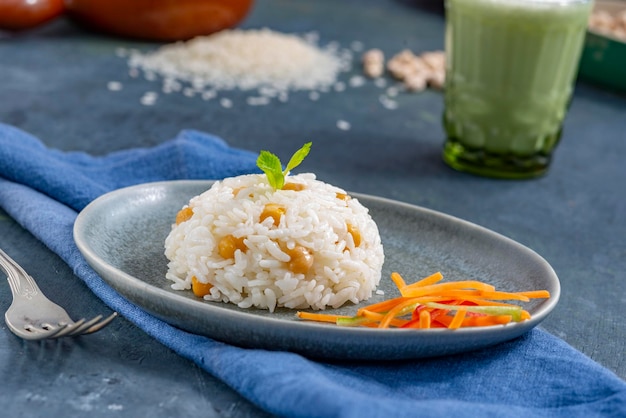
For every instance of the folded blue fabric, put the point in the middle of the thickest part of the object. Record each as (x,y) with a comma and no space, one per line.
(537,375)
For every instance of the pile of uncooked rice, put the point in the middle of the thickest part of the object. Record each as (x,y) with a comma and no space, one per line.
(244,59)
(335,232)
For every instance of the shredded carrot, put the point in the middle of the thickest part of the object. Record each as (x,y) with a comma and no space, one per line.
(486,302)
(504,296)
(432,279)
(382,306)
(377,317)
(487,320)
(536,294)
(441,288)
(396,310)
(398,280)
(424,319)
(428,303)
(319,317)
(457,321)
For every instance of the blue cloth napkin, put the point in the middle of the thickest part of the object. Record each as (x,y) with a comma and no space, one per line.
(537,375)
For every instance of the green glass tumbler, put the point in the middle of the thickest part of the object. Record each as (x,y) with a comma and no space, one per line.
(510,72)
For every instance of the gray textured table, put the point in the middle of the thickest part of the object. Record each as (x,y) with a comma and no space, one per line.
(53,83)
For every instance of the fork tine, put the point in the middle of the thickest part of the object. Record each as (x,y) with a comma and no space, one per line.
(35,333)
(101,324)
(84,326)
(69,328)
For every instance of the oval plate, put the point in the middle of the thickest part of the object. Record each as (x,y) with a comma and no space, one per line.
(122,235)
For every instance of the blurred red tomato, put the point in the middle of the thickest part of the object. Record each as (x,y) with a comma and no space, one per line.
(25,14)
(162,20)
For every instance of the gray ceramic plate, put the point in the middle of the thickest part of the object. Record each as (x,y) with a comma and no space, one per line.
(121,235)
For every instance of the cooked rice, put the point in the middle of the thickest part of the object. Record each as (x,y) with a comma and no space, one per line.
(316,218)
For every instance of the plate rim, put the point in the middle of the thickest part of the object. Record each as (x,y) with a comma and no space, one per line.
(101,265)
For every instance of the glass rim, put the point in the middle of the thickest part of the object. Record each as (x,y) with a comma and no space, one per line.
(539,2)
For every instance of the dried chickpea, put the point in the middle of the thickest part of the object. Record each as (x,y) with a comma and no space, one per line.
(301,260)
(229,244)
(610,24)
(356,234)
(198,288)
(437,80)
(436,60)
(417,72)
(416,82)
(373,63)
(184,215)
(274,211)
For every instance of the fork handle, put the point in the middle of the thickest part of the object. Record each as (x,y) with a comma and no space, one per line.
(22,285)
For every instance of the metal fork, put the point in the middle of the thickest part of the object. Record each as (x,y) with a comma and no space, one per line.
(33,316)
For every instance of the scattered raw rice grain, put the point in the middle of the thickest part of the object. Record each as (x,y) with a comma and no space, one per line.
(209,94)
(388,103)
(392,91)
(226,103)
(149,98)
(356,81)
(114,86)
(343,125)
(380,83)
(258,101)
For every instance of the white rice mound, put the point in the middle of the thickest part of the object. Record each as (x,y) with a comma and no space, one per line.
(316,218)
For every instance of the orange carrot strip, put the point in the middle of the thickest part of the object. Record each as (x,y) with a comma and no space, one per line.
(398,280)
(424,319)
(487,302)
(457,321)
(500,295)
(370,324)
(460,293)
(432,279)
(383,306)
(525,315)
(487,320)
(535,294)
(398,322)
(319,317)
(376,317)
(393,312)
(441,288)
(371,315)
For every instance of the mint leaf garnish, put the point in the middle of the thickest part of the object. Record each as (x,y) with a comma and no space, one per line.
(271,166)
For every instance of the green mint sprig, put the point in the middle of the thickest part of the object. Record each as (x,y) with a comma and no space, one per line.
(273,169)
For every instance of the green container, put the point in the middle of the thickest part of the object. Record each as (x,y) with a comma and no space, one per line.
(603,60)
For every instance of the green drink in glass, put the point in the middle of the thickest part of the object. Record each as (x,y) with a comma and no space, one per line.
(511,66)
